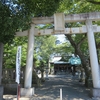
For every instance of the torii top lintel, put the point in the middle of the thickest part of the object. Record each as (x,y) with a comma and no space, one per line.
(69,18)
(59,20)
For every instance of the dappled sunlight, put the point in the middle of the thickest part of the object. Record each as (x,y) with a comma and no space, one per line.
(71,89)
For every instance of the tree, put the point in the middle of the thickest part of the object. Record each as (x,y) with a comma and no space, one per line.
(17,15)
(97,2)
(79,42)
(64,49)
(41,8)
(10,52)
(78,6)
(11,22)
(45,47)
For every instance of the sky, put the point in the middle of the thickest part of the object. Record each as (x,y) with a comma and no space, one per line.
(61,38)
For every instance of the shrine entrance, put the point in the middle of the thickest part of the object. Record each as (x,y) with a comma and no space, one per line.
(59,20)
(61,67)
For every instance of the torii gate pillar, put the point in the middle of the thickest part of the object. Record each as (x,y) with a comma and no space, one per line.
(28,90)
(93,59)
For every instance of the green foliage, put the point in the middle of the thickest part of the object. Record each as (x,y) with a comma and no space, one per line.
(75,7)
(78,6)
(78,41)
(64,49)
(41,7)
(11,23)
(20,18)
(97,2)
(9,59)
(84,45)
(5,23)
(44,47)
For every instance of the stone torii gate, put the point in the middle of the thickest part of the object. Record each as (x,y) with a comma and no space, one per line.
(59,20)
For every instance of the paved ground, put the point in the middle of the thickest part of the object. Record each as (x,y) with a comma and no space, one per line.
(71,89)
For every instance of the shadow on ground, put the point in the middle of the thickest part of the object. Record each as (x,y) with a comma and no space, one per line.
(72,89)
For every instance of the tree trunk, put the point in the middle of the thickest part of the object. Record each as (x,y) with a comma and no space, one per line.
(42,74)
(81,55)
(35,79)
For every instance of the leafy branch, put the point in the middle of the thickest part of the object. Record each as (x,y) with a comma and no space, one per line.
(94,2)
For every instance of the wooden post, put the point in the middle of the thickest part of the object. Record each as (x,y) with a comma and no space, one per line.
(60,93)
(18,91)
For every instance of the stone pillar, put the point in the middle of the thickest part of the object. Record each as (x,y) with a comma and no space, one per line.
(46,73)
(93,58)
(1,60)
(49,67)
(27,90)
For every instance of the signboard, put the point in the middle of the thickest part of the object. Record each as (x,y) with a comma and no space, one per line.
(18,63)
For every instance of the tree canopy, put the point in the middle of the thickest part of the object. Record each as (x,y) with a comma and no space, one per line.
(44,46)
(16,18)
(79,6)
(17,15)
(79,41)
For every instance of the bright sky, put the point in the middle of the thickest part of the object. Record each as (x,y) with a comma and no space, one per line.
(61,38)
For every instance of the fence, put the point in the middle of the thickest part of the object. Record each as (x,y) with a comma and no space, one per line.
(9,76)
